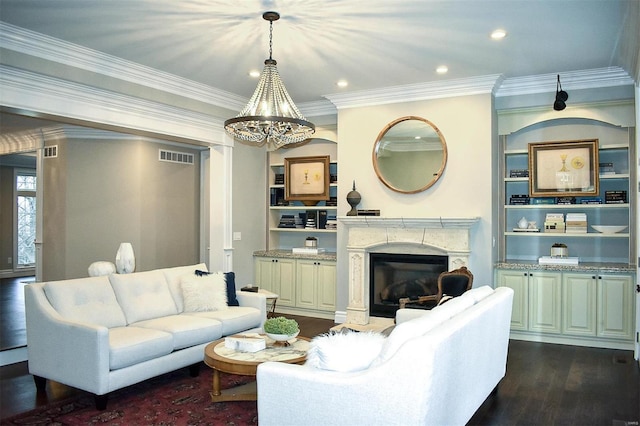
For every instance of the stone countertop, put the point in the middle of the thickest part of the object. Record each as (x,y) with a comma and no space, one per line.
(581,267)
(288,254)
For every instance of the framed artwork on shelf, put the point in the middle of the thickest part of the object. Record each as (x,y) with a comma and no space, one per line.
(306,179)
(564,168)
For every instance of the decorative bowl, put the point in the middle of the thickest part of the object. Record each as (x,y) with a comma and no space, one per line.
(282,337)
(609,229)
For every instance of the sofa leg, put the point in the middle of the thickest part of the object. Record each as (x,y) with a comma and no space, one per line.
(41,384)
(194,370)
(101,401)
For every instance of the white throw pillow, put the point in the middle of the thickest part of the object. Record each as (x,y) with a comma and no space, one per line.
(205,293)
(344,352)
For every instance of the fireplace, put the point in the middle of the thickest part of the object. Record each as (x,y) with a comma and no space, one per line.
(368,235)
(394,276)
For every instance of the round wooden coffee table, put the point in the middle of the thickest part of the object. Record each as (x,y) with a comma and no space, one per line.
(231,361)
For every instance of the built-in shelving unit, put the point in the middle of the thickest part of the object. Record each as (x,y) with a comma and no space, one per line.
(591,303)
(616,145)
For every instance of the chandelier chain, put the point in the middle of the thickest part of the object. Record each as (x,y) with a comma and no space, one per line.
(270,39)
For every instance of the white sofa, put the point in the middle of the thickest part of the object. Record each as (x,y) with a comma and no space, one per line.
(435,368)
(103,333)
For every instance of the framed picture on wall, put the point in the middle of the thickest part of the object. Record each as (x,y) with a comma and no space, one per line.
(306,179)
(564,168)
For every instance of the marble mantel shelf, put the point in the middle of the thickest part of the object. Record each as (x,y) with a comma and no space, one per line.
(409,222)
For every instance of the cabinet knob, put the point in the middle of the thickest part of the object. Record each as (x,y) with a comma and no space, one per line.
(593,277)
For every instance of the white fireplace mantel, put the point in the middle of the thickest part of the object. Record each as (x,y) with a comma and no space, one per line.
(447,236)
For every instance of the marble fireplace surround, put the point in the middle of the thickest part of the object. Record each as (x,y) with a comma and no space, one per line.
(374,234)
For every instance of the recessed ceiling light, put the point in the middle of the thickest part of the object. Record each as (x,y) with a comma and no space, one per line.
(342,83)
(254,73)
(442,69)
(498,34)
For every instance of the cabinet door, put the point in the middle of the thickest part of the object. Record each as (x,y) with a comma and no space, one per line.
(579,304)
(285,276)
(615,306)
(517,281)
(306,283)
(545,292)
(327,286)
(264,270)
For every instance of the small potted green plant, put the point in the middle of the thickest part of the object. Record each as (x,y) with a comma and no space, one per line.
(281,329)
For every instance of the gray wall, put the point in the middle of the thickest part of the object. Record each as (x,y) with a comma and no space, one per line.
(99,193)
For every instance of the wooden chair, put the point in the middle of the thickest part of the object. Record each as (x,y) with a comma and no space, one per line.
(450,284)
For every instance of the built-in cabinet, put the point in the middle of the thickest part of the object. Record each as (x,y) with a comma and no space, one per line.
(587,308)
(305,285)
(591,303)
(286,238)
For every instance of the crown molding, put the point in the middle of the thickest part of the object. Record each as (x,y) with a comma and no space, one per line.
(571,80)
(55,50)
(416,92)
(317,108)
(50,96)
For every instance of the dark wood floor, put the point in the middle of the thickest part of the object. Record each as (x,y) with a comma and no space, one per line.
(545,385)
(13,331)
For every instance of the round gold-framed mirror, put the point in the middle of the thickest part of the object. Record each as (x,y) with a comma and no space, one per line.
(409,155)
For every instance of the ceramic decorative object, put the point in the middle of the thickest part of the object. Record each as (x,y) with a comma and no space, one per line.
(609,229)
(282,337)
(125,259)
(353,198)
(523,223)
(101,268)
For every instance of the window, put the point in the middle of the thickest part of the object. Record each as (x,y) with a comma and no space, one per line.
(25,218)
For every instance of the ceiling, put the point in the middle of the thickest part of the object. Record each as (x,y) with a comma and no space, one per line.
(372,44)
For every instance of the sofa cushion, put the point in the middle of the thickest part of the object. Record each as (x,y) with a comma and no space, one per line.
(230,279)
(478,293)
(344,352)
(86,300)
(132,345)
(407,331)
(204,293)
(143,295)
(173,276)
(454,306)
(234,319)
(186,330)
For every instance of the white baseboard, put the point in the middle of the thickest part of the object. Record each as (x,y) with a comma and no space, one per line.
(13,356)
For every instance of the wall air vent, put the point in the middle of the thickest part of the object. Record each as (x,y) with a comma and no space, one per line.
(51,151)
(175,157)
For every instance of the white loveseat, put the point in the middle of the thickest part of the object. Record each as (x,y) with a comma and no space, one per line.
(435,368)
(103,333)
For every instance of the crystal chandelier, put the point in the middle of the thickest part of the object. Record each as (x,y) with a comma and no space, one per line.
(270,116)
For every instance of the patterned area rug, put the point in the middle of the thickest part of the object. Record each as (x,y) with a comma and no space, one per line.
(171,399)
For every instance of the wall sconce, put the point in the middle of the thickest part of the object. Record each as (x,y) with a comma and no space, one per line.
(561,97)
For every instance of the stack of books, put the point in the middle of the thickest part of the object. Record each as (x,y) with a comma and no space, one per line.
(591,200)
(287,221)
(576,223)
(278,179)
(554,222)
(519,199)
(565,200)
(606,169)
(332,222)
(615,197)
(519,173)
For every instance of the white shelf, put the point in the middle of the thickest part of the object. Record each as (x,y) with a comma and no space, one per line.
(565,235)
(526,179)
(566,206)
(303,208)
(322,231)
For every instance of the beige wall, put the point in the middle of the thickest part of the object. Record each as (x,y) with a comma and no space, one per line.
(464,190)
(99,193)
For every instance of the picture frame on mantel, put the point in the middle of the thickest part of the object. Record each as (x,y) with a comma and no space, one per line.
(564,168)
(307,179)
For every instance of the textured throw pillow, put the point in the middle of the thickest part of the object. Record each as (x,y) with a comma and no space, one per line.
(344,352)
(204,293)
(230,280)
